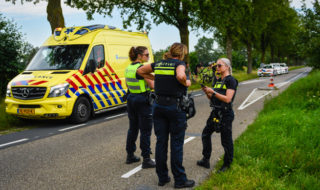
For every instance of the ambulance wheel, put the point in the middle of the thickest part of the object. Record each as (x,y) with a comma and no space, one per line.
(81,110)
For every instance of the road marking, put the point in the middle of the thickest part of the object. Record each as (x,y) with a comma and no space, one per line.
(137,169)
(13,142)
(131,172)
(76,126)
(197,95)
(252,81)
(244,105)
(279,85)
(114,116)
(189,139)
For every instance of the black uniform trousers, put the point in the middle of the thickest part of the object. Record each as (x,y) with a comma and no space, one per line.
(140,118)
(226,138)
(169,120)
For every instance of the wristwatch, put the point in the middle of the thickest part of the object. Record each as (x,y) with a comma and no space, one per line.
(214,93)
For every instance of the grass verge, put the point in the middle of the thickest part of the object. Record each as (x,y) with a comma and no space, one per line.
(281,149)
(9,123)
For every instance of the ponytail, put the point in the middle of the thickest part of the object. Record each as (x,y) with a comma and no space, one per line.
(135,51)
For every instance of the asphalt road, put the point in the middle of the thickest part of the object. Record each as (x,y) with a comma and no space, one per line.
(92,155)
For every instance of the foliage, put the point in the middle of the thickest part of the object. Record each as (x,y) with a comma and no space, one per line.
(310,37)
(204,49)
(178,13)
(194,60)
(10,52)
(158,55)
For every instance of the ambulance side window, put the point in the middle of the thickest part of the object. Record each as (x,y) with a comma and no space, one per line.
(96,59)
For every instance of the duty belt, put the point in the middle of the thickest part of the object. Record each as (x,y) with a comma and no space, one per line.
(143,93)
(166,100)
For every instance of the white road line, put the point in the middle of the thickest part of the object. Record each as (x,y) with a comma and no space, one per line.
(137,169)
(115,116)
(241,107)
(252,81)
(189,139)
(197,95)
(279,85)
(13,142)
(76,126)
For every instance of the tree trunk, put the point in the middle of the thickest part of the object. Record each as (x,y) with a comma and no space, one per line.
(184,38)
(229,46)
(263,48)
(54,14)
(272,54)
(249,52)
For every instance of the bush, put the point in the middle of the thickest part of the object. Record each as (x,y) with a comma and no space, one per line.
(11,45)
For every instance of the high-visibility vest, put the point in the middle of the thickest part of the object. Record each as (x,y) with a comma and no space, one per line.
(135,85)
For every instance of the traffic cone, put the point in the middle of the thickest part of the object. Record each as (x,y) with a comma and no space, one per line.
(271,82)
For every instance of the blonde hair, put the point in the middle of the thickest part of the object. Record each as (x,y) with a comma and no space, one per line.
(227,62)
(176,50)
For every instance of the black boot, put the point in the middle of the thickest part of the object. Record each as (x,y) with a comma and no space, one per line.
(204,163)
(188,183)
(148,163)
(162,183)
(131,158)
(223,168)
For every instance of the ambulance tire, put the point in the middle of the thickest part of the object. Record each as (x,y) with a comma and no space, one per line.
(81,110)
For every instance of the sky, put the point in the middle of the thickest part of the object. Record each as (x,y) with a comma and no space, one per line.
(32,22)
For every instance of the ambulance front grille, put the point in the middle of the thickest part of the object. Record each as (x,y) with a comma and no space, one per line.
(28,93)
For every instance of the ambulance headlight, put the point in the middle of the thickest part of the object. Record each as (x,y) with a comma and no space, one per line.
(58,90)
(8,91)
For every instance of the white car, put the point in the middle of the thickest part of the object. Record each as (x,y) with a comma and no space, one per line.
(267,70)
(277,67)
(284,68)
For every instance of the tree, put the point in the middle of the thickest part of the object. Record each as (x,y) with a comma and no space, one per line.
(10,46)
(27,52)
(204,49)
(158,55)
(221,17)
(178,13)
(54,12)
(311,34)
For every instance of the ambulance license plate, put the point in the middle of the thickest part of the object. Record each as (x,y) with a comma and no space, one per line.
(26,111)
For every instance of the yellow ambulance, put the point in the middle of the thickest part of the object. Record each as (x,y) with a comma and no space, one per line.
(77,72)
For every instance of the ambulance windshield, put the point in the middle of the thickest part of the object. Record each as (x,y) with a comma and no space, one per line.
(62,57)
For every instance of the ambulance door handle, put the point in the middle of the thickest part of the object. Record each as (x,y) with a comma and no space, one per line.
(113,73)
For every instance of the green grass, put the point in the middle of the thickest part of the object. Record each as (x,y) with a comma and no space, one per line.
(295,67)
(281,149)
(8,123)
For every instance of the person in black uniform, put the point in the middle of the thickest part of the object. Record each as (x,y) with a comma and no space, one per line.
(221,97)
(170,85)
(139,109)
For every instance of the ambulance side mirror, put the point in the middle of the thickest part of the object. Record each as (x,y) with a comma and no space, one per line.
(92,65)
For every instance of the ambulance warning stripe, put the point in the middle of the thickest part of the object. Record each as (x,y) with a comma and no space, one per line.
(112,71)
(28,82)
(79,80)
(89,80)
(96,79)
(103,78)
(105,70)
(72,84)
(39,82)
(118,81)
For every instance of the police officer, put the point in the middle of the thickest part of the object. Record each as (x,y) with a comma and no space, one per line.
(221,97)
(139,109)
(170,85)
